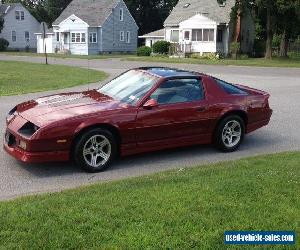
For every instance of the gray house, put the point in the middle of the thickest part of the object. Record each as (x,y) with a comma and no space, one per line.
(19,27)
(94,27)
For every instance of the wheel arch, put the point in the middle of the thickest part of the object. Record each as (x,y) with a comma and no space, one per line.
(111,128)
(238,112)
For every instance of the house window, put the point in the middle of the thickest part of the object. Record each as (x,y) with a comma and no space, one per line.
(220,36)
(186,35)
(128,37)
(197,35)
(93,37)
(20,15)
(122,38)
(174,35)
(27,36)
(208,35)
(83,37)
(73,37)
(14,36)
(203,35)
(57,37)
(121,14)
(78,37)
(17,15)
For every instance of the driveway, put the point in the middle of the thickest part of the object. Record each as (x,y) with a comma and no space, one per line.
(282,134)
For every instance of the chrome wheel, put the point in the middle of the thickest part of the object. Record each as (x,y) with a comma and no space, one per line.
(97,151)
(232,134)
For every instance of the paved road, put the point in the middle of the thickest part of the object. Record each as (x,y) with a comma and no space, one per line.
(281,135)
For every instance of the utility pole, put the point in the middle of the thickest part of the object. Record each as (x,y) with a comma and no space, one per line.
(45,44)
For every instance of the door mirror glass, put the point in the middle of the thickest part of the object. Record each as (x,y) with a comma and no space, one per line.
(150,104)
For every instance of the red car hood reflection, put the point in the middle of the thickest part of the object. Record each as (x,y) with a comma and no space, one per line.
(54,108)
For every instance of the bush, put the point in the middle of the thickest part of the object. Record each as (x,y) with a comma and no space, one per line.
(3,44)
(144,51)
(161,47)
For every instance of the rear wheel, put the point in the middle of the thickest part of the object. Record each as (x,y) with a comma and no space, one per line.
(230,133)
(95,150)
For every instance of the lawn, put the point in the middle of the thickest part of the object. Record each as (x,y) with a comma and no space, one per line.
(63,56)
(20,77)
(180,209)
(259,62)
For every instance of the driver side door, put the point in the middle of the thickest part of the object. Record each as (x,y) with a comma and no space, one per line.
(181,116)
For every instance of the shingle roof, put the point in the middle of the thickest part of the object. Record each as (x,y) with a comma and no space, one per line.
(209,8)
(157,33)
(93,12)
(3,7)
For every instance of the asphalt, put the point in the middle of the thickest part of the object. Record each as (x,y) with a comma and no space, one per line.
(17,179)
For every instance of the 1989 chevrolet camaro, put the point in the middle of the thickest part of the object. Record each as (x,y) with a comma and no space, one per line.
(144,109)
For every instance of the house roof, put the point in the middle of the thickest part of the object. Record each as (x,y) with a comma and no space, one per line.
(157,33)
(93,12)
(6,7)
(186,9)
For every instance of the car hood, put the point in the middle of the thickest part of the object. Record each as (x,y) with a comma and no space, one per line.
(46,110)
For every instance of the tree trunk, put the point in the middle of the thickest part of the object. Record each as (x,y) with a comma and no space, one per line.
(269,35)
(284,45)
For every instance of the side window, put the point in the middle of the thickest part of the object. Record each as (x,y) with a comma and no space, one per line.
(230,89)
(179,91)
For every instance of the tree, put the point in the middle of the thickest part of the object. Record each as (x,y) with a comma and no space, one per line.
(1,23)
(287,22)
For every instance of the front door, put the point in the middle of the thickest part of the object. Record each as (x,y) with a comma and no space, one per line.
(181,114)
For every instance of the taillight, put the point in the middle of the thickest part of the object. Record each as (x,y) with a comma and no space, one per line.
(266,103)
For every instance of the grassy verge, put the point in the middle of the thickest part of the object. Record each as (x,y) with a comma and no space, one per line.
(259,62)
(63,56)
(188,208)
(20,77)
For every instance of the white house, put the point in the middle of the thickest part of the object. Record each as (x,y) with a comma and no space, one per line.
(19,27)
(92,27)
(153,37)
(201,26)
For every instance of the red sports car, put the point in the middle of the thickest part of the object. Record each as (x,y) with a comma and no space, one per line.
(144,109)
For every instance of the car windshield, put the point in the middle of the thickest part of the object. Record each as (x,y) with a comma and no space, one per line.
(129,87)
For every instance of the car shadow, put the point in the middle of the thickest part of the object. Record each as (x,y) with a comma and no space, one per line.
(254,144)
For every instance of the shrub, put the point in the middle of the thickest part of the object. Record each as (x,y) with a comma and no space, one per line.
(144,51)
(3,44)
(161,47)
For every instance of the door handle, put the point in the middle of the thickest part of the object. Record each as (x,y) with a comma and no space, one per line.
(201,109)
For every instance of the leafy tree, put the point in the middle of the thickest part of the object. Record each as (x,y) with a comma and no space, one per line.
(287,24)
(1,23)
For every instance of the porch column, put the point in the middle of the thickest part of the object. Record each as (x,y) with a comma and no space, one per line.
(215,36)
(226,40)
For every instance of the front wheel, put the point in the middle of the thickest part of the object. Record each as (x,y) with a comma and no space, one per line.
(95,150)
(230,133)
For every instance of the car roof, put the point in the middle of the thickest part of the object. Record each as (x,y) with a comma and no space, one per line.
(169,72)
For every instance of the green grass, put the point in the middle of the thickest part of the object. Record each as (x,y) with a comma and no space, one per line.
(64,56)
(259,62)
(20,77)
(180,209)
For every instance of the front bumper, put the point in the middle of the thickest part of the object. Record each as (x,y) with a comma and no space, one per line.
(35,157)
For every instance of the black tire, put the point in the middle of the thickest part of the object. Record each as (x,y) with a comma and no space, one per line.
(218,136)
(85,139)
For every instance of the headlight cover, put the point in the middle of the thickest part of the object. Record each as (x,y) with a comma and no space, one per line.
(28,129)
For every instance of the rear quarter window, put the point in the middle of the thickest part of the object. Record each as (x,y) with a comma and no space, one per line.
(229,88)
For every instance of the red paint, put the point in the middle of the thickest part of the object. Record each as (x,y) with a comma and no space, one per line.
(141,129)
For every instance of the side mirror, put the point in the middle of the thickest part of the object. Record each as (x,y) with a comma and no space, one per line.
(150,104)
